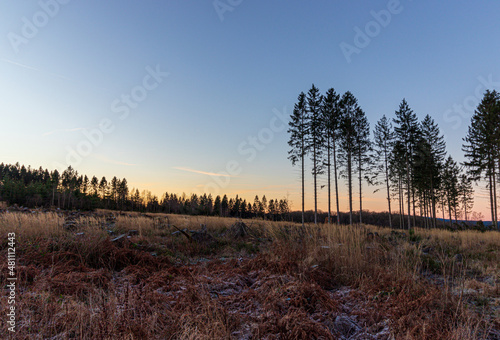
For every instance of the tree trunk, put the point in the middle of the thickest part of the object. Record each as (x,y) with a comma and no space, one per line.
(465,211)
(388,189)
(400,204)
(424,207)
(349,170)
(428,205)
(408,188)
(433,198)
(302,182)
(421,210)
(403,204)
(315,185)
(360,189)
(428,212)
(491,198)
(495,224)
(336,182)
(413,198)
(329,181)
(449,212)
(465,205)
(432,220)
(443,206)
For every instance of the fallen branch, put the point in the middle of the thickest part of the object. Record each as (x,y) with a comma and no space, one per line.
(184,233)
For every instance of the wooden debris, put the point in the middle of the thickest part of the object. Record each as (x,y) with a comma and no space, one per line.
(118,238)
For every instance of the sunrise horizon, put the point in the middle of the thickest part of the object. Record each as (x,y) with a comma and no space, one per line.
(371,202)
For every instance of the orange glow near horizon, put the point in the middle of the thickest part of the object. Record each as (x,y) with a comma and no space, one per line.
(371,202)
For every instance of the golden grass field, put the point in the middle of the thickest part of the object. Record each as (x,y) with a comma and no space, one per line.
(260,280)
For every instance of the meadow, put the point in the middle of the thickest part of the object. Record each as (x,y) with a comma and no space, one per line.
(110,275)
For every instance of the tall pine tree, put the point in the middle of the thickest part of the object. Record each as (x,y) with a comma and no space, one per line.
(407,133)
(348,107)
(383,144)
(362,148)
(482,145)
(299,130)
(331,120)
(315,139)
(466,192)
(429,158)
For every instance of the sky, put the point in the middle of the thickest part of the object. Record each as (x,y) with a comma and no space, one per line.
(194,96)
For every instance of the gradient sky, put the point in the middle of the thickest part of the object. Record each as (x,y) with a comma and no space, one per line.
(232,71)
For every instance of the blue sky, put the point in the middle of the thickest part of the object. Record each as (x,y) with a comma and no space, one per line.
(228,74)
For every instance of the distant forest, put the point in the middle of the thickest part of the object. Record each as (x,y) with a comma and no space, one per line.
(32,188)
(406,158)
(40,188)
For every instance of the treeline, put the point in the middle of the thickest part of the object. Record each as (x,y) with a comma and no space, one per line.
(70,190)
(406,158)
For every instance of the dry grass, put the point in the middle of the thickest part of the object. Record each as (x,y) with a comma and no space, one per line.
(32,225)
(279,281)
